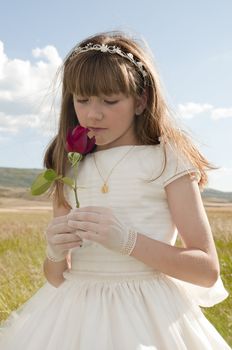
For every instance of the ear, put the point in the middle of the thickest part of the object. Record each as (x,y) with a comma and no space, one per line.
(140,103)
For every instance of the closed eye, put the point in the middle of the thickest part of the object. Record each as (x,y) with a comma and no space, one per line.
(111,102)
(82,100)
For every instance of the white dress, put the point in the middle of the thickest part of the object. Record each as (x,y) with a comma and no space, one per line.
(114,302)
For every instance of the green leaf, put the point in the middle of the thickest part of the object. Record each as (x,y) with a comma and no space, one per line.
(68,181)
(50,175)
(40,190)
(40,185)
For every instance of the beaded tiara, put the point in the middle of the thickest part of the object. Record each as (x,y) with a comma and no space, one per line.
(111,49)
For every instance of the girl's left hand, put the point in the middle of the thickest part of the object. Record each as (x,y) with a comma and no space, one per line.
(100,225)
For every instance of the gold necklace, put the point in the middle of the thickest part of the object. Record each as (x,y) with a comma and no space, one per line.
(105,187)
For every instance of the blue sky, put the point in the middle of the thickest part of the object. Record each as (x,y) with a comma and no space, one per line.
(192,47)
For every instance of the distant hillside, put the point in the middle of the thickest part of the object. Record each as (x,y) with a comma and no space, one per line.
(15,177)
(212,195)
(16,183)
(19,181)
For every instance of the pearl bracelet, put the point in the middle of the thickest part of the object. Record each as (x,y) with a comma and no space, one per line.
(130,244)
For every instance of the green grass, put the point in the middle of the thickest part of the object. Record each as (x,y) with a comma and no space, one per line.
(220,315)
(21,258)
(22,247)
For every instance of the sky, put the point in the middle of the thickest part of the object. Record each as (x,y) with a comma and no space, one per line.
(191,45)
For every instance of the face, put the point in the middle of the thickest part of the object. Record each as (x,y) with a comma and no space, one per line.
(110,118)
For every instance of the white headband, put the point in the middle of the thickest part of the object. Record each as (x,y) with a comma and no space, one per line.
(111,49)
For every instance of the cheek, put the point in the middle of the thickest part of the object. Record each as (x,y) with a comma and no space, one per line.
(128,111)
(125,111)
(128,116)
(79,115)
(122,124)
(77,110)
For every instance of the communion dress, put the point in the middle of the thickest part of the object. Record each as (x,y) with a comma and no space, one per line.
(110,301)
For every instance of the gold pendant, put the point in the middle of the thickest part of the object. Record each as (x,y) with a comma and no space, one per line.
(105,188)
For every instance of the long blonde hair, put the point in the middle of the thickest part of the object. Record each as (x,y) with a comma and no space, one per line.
(93,73)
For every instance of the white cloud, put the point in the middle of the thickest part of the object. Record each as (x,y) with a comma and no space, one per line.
(221,179)
(25,89)
(190,110)
(49,52)
(219,113)
(12,124)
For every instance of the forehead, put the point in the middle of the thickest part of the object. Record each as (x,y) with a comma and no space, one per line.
(96,73)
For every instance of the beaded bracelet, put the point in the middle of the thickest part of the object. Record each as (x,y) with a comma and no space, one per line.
(130,244)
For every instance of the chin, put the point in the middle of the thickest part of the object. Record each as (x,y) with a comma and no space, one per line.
(100,142)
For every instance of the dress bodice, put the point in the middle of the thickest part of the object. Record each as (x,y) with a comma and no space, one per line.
(136,196)
(135,199)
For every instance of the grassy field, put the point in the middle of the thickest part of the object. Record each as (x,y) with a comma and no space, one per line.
(21,256)
(22,252)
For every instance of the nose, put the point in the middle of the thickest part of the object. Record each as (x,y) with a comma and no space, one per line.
(95,112)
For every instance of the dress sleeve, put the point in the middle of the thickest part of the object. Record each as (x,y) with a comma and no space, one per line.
(177,165)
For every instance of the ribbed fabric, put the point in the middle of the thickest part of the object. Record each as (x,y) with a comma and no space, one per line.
(111,301)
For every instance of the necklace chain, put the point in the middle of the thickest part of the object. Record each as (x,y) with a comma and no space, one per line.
(105,187)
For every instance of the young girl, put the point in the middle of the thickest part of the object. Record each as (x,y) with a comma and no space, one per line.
(116,280)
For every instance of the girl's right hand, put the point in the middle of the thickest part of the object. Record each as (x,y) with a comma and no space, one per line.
(60,238)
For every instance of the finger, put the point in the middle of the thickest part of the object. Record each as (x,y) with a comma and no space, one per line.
(92,209)
(89,235)
(84,226)
(68,246)
(76,234)
(65,238)
(59,219)
(85,216)
(90,217)
(59,229)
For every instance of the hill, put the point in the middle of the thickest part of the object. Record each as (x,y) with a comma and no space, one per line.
(212,195)
(16,177)
(15,182)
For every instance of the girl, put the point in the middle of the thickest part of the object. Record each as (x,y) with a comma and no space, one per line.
(126,285)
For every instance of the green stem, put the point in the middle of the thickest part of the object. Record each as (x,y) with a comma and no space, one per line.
(76,198)
(75,185)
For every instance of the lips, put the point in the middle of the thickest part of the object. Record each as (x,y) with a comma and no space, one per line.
(97,129)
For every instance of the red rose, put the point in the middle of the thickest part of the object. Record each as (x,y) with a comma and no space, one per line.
(78,140)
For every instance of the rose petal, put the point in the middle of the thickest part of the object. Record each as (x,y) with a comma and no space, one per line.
(78,140)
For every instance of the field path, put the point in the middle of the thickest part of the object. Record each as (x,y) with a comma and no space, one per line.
(16,205)
(23,209)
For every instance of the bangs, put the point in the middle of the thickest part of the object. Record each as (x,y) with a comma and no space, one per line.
(97,73)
